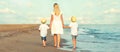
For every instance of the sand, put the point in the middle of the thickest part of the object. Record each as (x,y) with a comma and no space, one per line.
(24,38)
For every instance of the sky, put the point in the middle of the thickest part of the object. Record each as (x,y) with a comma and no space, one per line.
(86,11)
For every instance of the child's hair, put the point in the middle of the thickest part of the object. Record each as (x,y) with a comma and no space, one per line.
(43,20)
(73,19)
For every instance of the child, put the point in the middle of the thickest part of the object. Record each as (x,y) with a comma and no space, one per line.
(43,31)
(74,30)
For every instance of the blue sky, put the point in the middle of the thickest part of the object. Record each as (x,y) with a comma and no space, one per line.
(86,11)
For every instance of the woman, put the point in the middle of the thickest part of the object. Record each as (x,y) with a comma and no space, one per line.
(56,24)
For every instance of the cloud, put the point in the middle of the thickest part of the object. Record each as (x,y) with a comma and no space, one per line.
(29,4)
(22,3)
(89,4)
(2,3)
(8,19)
(112,11)
(7,10)
(37,19)
(105,20)
(109,19)
(115,3)
(84,20)
(81,20)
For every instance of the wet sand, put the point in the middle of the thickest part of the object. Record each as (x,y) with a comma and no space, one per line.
(24,38)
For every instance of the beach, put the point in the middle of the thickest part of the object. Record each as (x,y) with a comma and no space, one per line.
(24,38)
(91,38)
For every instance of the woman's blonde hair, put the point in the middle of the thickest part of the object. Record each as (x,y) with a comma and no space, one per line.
(55,4)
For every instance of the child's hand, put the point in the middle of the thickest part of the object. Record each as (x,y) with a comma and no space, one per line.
(64,26)
(39,30)
(49,26)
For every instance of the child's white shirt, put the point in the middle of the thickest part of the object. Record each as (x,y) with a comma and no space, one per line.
(43,30)
(74,26)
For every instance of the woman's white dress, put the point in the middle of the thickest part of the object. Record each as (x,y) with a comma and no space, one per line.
(57,27)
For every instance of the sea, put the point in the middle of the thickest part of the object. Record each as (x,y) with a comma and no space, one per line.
(94,38)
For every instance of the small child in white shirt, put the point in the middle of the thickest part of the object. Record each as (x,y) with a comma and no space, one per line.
(74,30)
(43,31)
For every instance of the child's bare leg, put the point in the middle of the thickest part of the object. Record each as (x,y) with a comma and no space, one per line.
(74,43)
(44,43)
(55,40)
(58,38)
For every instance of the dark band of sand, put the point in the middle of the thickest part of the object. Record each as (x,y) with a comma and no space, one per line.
(24,38)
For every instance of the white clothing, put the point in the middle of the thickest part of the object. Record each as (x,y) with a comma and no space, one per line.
(74,26)
(43,30)
(57,27)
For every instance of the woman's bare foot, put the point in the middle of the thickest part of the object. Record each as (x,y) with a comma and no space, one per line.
(55,46)
(74,47)
(58,46)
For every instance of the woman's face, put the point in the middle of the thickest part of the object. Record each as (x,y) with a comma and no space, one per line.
(56,7)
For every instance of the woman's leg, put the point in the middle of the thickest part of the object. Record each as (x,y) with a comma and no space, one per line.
(55,40)
(58,39)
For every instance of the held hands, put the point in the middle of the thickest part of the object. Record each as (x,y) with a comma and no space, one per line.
(50,26)
(66,27)
(63,26)
(39,30)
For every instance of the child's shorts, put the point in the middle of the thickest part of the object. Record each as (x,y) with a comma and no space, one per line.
(74,36)
(43,38)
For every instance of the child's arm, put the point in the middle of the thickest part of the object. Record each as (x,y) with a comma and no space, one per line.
(48,27)
(67,27)
(39,30)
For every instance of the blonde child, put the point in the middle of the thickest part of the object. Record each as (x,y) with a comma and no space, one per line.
(43,31)
(74,30)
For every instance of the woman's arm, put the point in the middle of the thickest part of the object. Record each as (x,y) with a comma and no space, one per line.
(62,20)
(51,21)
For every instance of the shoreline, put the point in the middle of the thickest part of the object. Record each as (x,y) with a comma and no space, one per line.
(25,38)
